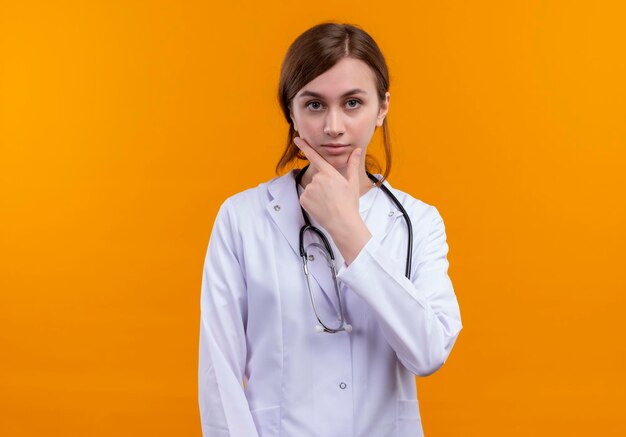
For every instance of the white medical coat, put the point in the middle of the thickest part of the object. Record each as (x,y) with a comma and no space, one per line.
(257,322)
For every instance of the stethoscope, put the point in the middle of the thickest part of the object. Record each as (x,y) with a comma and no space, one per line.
(330,257)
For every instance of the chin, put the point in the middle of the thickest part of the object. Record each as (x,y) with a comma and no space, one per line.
(338,164)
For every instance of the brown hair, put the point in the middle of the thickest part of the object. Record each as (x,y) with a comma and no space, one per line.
(317,50)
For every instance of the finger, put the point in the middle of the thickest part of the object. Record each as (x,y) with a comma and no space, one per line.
(314,158)
(354,163)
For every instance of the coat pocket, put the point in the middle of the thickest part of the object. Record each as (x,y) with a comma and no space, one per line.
(408,419)
(267,421)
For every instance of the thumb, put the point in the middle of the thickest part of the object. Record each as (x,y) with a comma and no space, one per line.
(353,164)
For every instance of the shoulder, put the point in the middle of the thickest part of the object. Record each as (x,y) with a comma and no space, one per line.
(254,200)
(418,210)
(426,222)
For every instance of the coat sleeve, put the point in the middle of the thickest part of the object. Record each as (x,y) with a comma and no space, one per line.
(420,319)
(224,409)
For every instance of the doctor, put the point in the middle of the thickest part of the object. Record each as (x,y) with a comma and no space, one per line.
(267,367)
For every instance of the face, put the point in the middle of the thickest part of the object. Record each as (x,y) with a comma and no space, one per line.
(339,107)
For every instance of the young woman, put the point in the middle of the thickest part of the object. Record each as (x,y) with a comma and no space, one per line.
(325,290)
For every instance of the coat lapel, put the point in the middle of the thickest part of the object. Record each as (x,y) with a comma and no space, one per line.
(382,215)
(284,208)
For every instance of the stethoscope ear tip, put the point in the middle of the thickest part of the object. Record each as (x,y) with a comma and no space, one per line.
(348,327)
(319,328)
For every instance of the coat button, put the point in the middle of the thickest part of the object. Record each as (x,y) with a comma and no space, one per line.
(391,213)
(342,385)
(276,207)
(311,258)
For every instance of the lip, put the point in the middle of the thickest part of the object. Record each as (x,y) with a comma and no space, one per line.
(335,148)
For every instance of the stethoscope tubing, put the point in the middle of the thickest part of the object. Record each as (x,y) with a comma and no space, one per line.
(409,249)
(343,326)
(394,199)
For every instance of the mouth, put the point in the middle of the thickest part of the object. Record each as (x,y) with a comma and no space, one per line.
(335,148)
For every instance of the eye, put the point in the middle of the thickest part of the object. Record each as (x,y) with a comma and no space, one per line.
(312,103)
(352,104)
(357,101)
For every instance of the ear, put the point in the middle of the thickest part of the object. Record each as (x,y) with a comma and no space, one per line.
(293,120)
(382,111)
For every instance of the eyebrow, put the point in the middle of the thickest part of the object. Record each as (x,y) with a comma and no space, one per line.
(347,93)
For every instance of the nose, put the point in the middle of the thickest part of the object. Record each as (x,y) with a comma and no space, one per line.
(334,125)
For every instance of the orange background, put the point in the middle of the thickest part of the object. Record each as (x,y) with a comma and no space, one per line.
(124,125)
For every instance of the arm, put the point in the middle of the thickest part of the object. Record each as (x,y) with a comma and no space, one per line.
(224,409)
(419,318)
